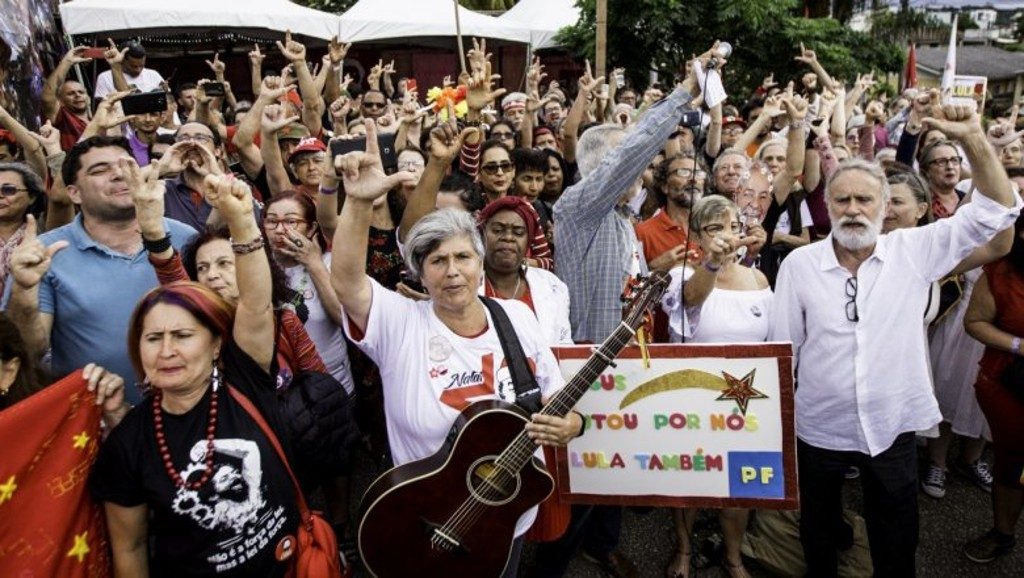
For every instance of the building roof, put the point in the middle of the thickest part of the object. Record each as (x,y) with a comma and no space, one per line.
(994,63)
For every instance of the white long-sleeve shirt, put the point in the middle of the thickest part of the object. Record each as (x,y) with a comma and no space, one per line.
(861,384)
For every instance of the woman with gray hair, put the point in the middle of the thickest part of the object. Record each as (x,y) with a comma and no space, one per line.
(436,356)
(717,301)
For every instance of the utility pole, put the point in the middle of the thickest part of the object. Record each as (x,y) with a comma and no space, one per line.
(602,38)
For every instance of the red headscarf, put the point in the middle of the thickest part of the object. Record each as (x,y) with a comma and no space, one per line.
(518,205)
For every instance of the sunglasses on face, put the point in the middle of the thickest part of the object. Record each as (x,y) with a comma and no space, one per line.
(501,135)
(9,190)
(374,104)
(493,168)
(951,161)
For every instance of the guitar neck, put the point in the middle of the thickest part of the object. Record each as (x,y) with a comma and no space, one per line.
(521,450)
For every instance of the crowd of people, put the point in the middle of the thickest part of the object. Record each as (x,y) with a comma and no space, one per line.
(323,249)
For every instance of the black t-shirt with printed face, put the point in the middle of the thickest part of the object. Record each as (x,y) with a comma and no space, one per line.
(239,521)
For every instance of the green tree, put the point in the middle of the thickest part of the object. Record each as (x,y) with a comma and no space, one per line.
(660,35)
(332,6)
(489,5)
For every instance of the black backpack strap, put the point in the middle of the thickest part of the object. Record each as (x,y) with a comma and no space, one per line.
(527,390)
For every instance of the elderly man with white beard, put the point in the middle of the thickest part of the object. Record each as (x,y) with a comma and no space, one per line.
(853,307)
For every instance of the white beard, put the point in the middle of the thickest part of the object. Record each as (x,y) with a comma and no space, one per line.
(854,240)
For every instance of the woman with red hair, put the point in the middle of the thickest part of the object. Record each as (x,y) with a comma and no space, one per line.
(190,483)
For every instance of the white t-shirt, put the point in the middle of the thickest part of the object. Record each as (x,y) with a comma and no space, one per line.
(430,374)
(328,337)
(146,81)
(784,225)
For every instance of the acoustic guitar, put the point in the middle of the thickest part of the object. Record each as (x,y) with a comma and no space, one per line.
(454,513)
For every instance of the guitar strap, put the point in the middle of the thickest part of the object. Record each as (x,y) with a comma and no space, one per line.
(527,390)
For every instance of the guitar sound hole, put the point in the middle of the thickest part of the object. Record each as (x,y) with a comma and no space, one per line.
(490,483)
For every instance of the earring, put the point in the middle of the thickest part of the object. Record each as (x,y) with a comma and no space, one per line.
(215,377)
(144,386)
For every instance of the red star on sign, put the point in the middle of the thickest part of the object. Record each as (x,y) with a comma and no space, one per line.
(434,373)
(740,390)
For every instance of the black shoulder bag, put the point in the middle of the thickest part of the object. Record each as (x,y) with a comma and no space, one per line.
(527,390)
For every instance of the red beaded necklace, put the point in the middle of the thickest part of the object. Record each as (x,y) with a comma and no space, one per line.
(165,453)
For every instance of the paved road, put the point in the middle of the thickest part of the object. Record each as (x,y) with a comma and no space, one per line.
(946,525)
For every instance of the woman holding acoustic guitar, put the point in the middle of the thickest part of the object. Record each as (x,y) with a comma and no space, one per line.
(436,358)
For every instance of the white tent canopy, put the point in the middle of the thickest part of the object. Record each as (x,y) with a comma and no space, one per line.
(371,20)
(543,18)
(99,16)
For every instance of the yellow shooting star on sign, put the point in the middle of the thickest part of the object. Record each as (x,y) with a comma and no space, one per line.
(81,547)
(81,440)
(7,490)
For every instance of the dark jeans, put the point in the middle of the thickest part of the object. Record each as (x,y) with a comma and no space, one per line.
(596,527)
(890,506)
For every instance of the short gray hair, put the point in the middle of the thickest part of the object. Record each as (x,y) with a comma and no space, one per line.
(32,181)
(434,229)
(709,208)
(594,145)
(730,153)
(871,169)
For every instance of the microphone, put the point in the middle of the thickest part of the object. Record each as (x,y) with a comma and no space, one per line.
(723,51)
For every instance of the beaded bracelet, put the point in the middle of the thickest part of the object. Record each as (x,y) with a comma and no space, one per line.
(1015,345)
(712,268)
(246,248)
(327,190)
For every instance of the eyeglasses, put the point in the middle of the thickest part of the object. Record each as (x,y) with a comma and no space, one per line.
(493,168)
(407,165)
(951,161)
(193,138)
(687,173)
(271,223)
(501,135)
(851,305)
(9,190)
(374,104)
(732,131)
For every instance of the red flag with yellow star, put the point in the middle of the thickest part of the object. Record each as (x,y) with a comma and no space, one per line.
(49,525)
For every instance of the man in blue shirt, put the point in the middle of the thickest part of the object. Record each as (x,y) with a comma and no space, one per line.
(80,308)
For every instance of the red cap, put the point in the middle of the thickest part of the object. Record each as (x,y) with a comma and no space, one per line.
(308,145)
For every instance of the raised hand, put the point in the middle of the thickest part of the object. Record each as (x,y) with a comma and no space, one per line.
(147,193)
(230,196)
(477,56)
(588,83)
(874,112)
(769,82)
(48,137)
(773,106)
(479,93)
(274,119)
(256,57)
(216,65)
(32,259)
(340,109)
(363,172)
(293,50)
(535,75)
(796,107)
(373,78)
(958,121)
(806,56)
(445,140)
(113,56)
(389,68)
(337,50)
(274,88)
(74,56)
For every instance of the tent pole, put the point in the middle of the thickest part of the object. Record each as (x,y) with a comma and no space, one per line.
(458,36)
(602,37)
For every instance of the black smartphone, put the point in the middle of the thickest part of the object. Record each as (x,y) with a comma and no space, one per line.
(214,88)
(385,141)
(144,103)
(691,118)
